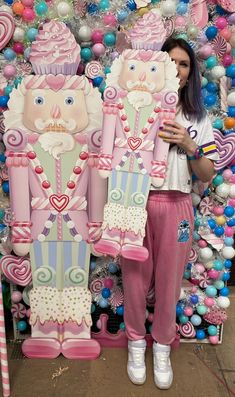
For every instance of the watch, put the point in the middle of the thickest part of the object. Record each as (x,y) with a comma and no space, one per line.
(198,153)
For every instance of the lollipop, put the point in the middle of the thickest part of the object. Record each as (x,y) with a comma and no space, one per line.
(117,298)
(206,205)
(187,330)
(226,148)
(204,280)
(7,27)
(93,69)
(18,310)
(219,45)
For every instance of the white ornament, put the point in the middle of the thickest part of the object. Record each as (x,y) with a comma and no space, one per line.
(231,99)
(6,9)
(223,190)
(196,199)
(41,237)
(63,9)
(217,72)
(168,8)
(223,302)
(18,34)
(182,294)
(78,238)
(228,252)
(49,224)
(232,191)
(205,254)
(70,224)
(84,33)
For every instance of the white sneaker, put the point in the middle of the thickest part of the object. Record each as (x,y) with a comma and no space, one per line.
(136,368)
(163,374)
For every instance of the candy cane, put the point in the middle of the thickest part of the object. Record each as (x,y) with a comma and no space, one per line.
(223,93)
(3,351)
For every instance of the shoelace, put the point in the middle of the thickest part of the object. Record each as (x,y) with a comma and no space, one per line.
(162,360)
(138,357)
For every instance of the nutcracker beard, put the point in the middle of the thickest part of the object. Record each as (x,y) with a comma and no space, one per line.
(139,99)
(56,143)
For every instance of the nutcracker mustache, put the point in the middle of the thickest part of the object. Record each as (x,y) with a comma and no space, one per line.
(58,125)
(139,99)
(56,143)
(140,86)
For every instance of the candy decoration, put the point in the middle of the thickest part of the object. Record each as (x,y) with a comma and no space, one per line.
(226,148)
(187,330)
(227,5)
(116,298)
(7,28)
(206,205)
(215,316)
(223,93)
(219,46)
(3,350)
(214,241)
(199,13)
(80,8)
(204,280)
(96,285)
(18,310)
(193,255)
(93,69)
(16,269)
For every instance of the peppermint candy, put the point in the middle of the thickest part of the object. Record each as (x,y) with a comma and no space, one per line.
(18,310)
(206,206)
(187,330)
(93,69)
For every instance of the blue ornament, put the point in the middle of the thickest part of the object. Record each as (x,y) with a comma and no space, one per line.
(229,211)
(183,319)
(218,265)
(113,268)
(2,213)
(3,101)
(212,87)
(231,111)
(211,291)
(220,10)
(21,325)
(181,8)
(122,15)
(41,8)
(106,293)
(187,274)
(218,124)
(103,303)
(231,222)
(224,291)
(5,187)
(210,100)
(2,158)
(110,39)
(107,70)
(195,319)
(194,299)
(17,81)
(218,284)
(212,330)
(92,265)
(211,32)
(226,276)
(218,180)
(131,5)
(229,241)
(9,54)
(8,89)
(86,54)
(230,71)
(102,87)
(120,310)
(31,34)
(211,223)
(219,231)
(227,263)
(92,8)
(9,2)
(97,81)
(104,5)
(196,236)
(200,334)
(233,168)
(179,310)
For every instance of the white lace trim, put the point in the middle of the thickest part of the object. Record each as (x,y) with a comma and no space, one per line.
(114,216)
(72,303)
(136,218)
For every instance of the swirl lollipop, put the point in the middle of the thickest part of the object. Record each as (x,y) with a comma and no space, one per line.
(7,27)
(187,330)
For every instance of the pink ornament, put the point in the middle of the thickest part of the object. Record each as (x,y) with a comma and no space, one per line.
(188,311)
(9,71)
(16,296)
(179,21)
(229,48)
(199,268)
(218,210)
(97,36)
(193,290)
(227,60)
(227,174)
(205,51)
(228,231)
(232,179)
(28,3)
(18,48)
(214,274)
(221,23)
(209,301)
(214,339)
(98,49)
(232,202)
(226,33)
(108,283)
(28,15)
(202,244)
(109,20)
(150,317)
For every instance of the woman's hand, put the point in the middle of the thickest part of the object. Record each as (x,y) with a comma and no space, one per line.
(173,132)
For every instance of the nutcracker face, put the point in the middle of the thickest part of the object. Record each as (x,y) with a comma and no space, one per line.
(142,76)
(51,111)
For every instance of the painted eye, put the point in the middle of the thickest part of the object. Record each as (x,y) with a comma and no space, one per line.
(69,100)
(39,100)
(132,67)
(153,69)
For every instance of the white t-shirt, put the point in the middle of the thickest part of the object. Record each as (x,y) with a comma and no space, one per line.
(179,175)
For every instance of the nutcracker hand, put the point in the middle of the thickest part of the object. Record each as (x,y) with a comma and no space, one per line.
(21,249)
(104,173)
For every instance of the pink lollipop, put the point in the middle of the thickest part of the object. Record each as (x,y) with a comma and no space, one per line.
(7,27)
(18,310)
(206,206)
(226,148)
(93,69)
(219,46)
(187,330)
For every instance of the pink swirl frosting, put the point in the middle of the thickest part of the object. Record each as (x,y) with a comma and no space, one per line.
(55,45)
(149,32)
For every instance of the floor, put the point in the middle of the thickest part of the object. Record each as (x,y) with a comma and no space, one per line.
(200,370)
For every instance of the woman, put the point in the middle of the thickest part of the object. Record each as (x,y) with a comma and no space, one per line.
(169,225)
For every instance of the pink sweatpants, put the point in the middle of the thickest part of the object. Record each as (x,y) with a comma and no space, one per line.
(168,239)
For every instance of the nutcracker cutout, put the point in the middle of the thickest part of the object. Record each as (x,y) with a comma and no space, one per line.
(141,94)
(53,131)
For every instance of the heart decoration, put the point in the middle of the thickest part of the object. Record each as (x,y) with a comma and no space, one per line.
(16,269)
(226,148)
(55,82)
(134,143)
(7,28)
(59,202)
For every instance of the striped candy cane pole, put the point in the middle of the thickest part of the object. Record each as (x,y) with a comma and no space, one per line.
(3,351)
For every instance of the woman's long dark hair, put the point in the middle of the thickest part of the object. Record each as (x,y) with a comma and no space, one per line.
(190,97)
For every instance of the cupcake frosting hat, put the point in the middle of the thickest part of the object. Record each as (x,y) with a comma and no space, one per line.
(55,50)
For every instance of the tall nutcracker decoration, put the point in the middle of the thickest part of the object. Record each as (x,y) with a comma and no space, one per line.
(141,94)
(53,131)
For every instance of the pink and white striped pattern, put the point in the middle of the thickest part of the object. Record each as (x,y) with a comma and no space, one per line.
(21,232)
(158,169)
(3,351)
(105,161)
